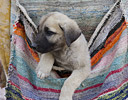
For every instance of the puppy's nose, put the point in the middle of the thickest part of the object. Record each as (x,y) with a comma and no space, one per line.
(34,46)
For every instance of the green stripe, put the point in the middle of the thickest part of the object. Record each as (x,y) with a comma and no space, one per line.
(13,93)
(119,94)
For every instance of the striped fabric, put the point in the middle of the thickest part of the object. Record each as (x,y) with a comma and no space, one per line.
(109,58)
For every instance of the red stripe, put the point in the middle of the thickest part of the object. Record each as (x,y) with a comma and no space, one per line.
(111,89)
(94,86)
(13,66)
(38,88)
(26,98)
(14,84)
(77,91)
(116,71)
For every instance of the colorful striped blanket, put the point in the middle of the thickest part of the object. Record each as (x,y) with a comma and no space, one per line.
(109,58)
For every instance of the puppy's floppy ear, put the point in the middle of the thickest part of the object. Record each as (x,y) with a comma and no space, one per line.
(71,31)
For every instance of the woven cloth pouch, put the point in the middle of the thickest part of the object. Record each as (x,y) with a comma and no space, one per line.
(108,49)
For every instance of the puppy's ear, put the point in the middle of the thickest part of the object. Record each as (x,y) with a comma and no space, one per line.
(71,31)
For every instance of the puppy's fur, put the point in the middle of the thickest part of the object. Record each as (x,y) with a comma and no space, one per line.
(60,40)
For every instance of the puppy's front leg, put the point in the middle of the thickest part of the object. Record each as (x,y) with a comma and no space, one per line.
(73,82)
(45,65)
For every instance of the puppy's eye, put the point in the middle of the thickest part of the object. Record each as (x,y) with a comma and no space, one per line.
(48,32)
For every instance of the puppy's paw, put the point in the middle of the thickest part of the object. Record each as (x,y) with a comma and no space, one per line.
(65,98)
(41,73)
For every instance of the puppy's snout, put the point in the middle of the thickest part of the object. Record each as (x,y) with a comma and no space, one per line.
(34,46)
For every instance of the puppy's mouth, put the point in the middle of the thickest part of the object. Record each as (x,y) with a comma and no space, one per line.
(42,50)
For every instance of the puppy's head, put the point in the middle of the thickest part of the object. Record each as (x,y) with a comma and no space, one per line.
(55,31)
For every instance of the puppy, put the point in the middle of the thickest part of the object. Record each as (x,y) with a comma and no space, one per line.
(59,40)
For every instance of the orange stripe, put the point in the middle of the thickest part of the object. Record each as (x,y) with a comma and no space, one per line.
(34,54)
(109,44)
(111,38)
(19,30)
(126,22)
